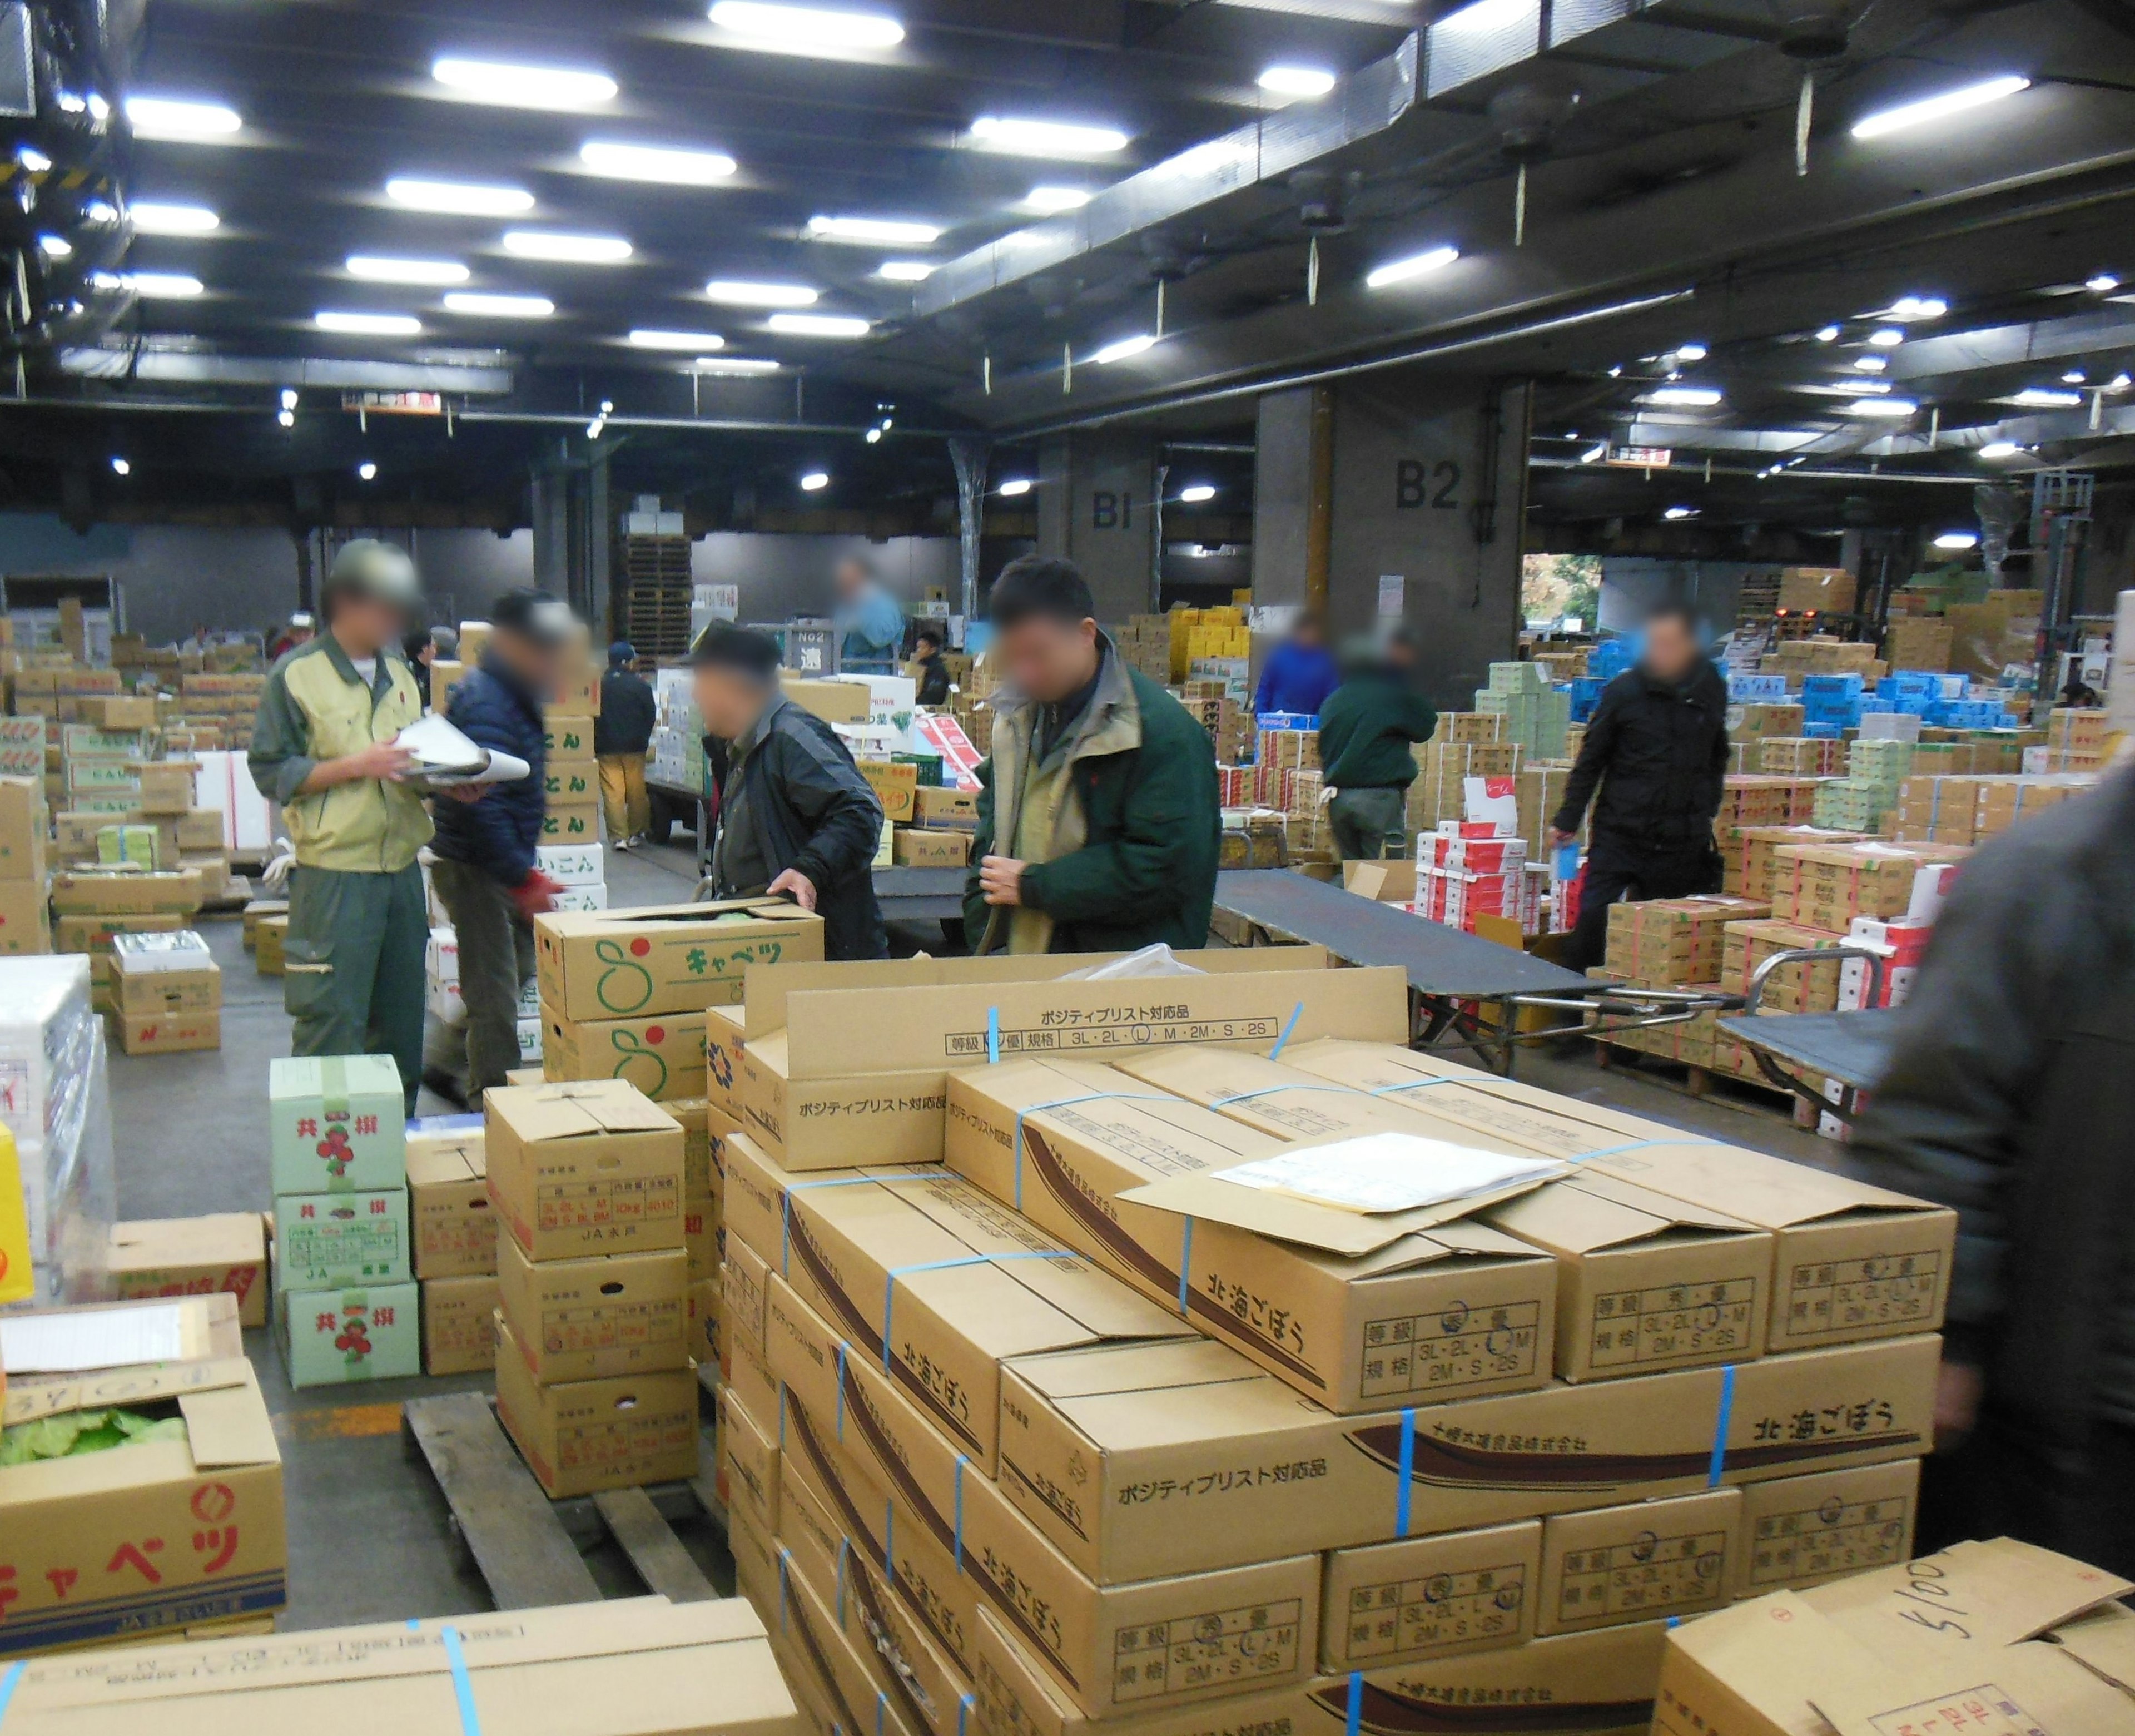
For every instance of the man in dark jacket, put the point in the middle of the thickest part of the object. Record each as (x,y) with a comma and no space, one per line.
(621,733)
(1366,727)
(933,674)
(2011,1097)
(1657,745)
(1099,823)
(484,872)
(795,815)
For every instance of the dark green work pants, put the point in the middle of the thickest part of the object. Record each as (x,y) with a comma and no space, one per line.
(497,961)
(354,981)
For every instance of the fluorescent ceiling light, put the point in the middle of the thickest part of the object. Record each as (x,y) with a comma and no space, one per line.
(1827,334)
(904,271)
(2044,397)
(367,471)
(458,198)
(807,29)
(382,268)
(524,87)
(1690,352)
(1934,107)
(666,164)
(151,286)
(1023,138)
(1297,81)
(1050,201)
(1139,344)
(1896,408)
(499,307)
(818,325)
(1684,397)
(736,293)
(102,212)
(32,159)
(1871,364)
(120,466)
(2119,382)
(646,337)
(1918,307)
(872,231)
(815,481)
(1486,16)
(153,218)
(1015,487)
(737,366)
(2000,449)
(1841,388)
(2074,376)
(177,120)
(2104,284)
(56,247)
(1416,266)
(369,325)
(538,244)
(1958,540)
(1680,513)
(1197,493)
(1886,337)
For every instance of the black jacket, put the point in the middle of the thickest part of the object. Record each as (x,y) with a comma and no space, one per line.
(1660,756)
(933,680)
(2011,1097)
(627,713)
(790,797)
(499,833)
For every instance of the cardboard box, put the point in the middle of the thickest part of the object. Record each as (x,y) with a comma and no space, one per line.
(706,1130)
(571,782)
(593,1167)
(167,785)
(1849,1262)
(1800,1531)
(125,893)
(843,1672)
(22,820)
(150,993)
(337,1123)
(1430,1597)
(664,958)
(1357,1312)
(945,810)
(912,848)
(895,783)
(25,924)
(176,1033)
(576,824)
(662,1053)
(582,1319)
(708,1346)
(201,829)
(342,1241)
(566,737)
(77,1528)
(929,1277)
(331,1337)
(702,1232)
(725,1031)
(749,1457)
(744,1289)
(1631,1563)
(222,1252)
(452,1223)
(121,711)
(616,1432)
(847,1120)
(837,702)
(459,1324)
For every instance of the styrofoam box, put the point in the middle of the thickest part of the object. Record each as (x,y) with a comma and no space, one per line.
(571,864)
(530,1041)
(441,958)
(582,897)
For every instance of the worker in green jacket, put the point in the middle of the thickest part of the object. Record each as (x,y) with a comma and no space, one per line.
(1366,726)
(322,748)
(1099,823)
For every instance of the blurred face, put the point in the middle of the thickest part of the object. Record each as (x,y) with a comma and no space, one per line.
(1307,632)
(728,701)
(363,624)
(540,667)
(1048,659)
(852,578)
(1671,647)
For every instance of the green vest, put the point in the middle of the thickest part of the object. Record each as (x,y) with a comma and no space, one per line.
(366,827)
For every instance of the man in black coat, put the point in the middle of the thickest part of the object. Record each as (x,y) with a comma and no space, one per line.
(484,871)
(933,674)
(795,815)
(621,733)
(1657,746)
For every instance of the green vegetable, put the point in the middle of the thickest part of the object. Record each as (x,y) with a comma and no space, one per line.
(78,1432)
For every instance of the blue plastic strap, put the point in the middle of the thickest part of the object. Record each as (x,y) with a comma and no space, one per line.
(414,1624)
(1636,1145)
(1418,1084)
(9,1678)
(889,1541)
(965,1702)
(890,1278)
(786,1206)
(782,1559)
(1185,1268)
(957,1536)
(1290,1025)
(1405,1469)
(462,1688)
(878,1701)
(993,1035)
(1723,1418)
(1243,1097)
(1355,1720)
(1063,1103)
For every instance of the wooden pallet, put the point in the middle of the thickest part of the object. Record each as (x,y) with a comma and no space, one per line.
(530,1548)
(1751,1097)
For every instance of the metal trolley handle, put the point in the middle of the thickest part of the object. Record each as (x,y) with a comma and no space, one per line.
(1877,968)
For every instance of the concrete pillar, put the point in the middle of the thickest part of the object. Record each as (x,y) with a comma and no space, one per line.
(1096,506)
(1293,503)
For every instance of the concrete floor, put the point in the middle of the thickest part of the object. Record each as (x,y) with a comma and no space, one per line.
(369,1536)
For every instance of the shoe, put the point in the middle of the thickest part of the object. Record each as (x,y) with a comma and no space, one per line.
(623,843)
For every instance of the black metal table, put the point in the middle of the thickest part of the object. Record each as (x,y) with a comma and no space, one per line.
(1852,1047)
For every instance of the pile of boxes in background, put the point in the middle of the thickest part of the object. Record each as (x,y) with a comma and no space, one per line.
(167,993)
(1536,713)
(56,1102)
(675,755)
(91,906)
(1465,744)
(25,920)
(218,708)
(1939,809)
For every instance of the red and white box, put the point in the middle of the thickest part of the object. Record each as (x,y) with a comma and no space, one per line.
(1900,944)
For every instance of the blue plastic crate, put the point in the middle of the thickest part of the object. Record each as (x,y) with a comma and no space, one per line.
(1288,719)
(1820,731)
(1585,696)
(1743,689)
(1610,658)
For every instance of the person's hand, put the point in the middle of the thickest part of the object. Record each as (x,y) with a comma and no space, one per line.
(1000,879)
(1957,1388)
(383,760)
(469,793)
(798,884)
(536,894)
(1558,840)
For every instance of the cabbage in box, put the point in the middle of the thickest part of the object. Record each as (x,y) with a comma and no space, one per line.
(338,1123)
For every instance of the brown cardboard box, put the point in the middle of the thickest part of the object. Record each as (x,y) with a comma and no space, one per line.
(120,711)
(22,821)
(701,1233)
(725,1028)
(942,810)
(749,1449)
(583,1320)
(806,1622)
(577,822)
(565,736)
(66,1519)
(1430,1597)
(1357,1312)
(1631,1563)
(452,1223)
(851,1118)
(93,933)
(176,1033)
(459,1324)
(615,1433)
(913,848)
(589,1167)
(662,1054)
(625,964)
(85,893)
(200,828)
(1800,1531)
(925,1274)
(1849,1262)
(151,992)
(744,1289)
(896,785)
(223,1251)
(837,702)
(25,924)
(167,785)
(704,1129)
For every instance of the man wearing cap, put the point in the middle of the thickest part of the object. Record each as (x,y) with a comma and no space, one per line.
(322,748)
(795,815)
(486,872)
(622,733)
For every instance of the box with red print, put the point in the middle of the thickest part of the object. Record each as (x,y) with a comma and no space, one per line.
(338,1123)
(325,1240)
(333,1338)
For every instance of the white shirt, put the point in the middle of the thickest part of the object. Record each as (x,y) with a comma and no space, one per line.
(367,667)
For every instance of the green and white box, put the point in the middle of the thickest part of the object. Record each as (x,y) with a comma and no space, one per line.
(338,1124)
(324,1239)
(331,1337)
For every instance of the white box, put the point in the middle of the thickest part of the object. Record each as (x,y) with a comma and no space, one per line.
(530,1041)
(56,1099)
(441,957)
(571,864)
(582,897)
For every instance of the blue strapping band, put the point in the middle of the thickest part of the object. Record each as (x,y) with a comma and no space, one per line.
(1356,1718)
(957,1547)
(965,1702)
(414,1624)
(1636,1145)
(463,1688)
(993,1035)
(1185,1267)
(1722,1419)
(1675,1622)
(786,1203)
(782,1559)
(1290,1025)
(1405,1469)
(878,1701)
(1418,1085)
(1244,1097)
(1063,1103)
(9,1678)
(890,1278)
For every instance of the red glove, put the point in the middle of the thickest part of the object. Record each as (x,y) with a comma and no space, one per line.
(536,894)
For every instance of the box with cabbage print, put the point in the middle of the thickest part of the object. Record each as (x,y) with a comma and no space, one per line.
(338,1124)
(322,1239)
(331,1337)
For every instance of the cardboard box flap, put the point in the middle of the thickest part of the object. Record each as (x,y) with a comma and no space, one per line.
(1768,1653)
(2037,1690)
(582,1109)
(1110,1370)
(1588,1211)
(2010,1591)
(228,1425)
(27,1400)
(229,1237)
(2104,1642)
(446,1165)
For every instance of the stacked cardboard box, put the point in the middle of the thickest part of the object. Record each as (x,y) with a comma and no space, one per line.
(1754,799)
(25,922)
(1439,792)
(224,702)
(1145,641)
(167,991)
(1918,641)
(224,1252)
(587,1180)
(1539,793)
(1829,885)
(1758,720)
(1673,942)
(1794,659)
(99,768)
(1536,715)
(1802,987)
(1795,756)
(1972,810)
(346,1305)
(2077,739)
(452,1234)
(1750,860)
(90,906)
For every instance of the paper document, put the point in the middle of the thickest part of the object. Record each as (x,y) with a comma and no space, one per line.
(1377,1172)
(92,1338)
(445,755)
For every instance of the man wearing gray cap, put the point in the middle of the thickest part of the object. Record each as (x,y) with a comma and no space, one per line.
(322,748)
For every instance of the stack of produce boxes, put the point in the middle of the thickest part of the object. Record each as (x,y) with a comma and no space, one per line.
(1466,744)
(1876,770)
(25,923)
(1536,713)
(224,703)
(91,905)
(2077,739)
(345,1303)
(571,779)
(1969,810)
(1676,943)
(1801,756)
(168,991)
(454,1235)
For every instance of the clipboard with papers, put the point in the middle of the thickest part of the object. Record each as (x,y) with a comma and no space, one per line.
(446,756)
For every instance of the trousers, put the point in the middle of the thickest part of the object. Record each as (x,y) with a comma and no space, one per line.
(624,803)
(1612,874)
(353,982)
(496,961)
(1367,823)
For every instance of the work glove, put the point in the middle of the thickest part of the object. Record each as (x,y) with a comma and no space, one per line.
(536,894)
